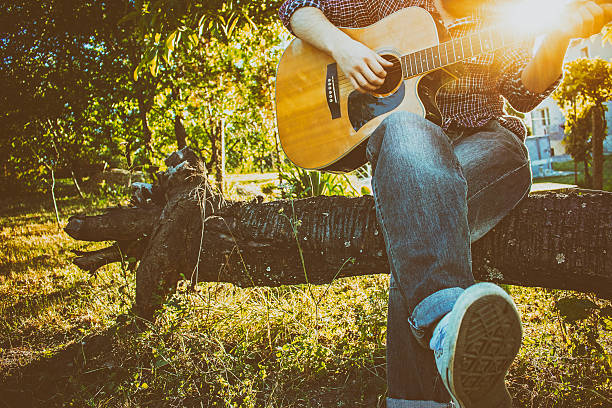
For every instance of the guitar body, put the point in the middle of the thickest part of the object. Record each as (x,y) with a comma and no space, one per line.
(323,122)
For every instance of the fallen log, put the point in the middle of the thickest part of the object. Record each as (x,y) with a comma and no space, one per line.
(556,240)
(118,252)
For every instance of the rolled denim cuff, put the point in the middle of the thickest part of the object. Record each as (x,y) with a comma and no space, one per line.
(397,403)
(430,310)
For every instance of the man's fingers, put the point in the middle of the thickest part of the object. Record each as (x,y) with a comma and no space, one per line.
(598,15)
(372,78)
(363,82)
(356,85)
(383,61)
(377,68)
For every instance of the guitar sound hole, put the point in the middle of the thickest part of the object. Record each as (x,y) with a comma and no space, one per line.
(393,78)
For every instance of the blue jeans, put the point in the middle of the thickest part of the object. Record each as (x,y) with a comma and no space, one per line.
(435,193)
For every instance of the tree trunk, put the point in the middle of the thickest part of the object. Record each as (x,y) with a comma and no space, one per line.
(216,153)
(179,132)
(143,110)
(555,240)
(575,172)
(179,129)
(598,139)
(57,220)
(76,183)
(587,177)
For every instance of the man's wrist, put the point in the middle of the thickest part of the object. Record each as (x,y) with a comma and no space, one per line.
(554,47)
(547,65)
(337,45)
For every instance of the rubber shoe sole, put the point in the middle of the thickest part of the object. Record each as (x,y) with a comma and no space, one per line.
(482,339)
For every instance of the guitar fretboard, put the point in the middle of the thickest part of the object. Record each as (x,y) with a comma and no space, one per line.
(452,51)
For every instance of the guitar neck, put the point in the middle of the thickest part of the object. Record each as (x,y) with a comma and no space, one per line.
(453,51)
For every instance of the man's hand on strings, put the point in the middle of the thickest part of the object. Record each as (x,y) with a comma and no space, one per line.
(362,66)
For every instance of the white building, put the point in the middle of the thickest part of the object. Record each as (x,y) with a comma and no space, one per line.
(548,120)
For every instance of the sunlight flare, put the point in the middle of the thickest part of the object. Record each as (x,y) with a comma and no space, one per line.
(532,16)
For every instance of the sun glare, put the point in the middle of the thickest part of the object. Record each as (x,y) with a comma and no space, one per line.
(532,16)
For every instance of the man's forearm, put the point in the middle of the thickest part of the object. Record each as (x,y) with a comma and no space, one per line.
(547,64)
(311,25)
(362,66)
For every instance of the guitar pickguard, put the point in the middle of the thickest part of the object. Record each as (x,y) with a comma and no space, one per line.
(427,91)
(363,107)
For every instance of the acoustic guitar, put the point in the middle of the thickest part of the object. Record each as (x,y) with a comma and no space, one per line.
(324,123)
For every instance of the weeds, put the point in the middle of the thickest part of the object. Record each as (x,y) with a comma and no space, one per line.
(218,345)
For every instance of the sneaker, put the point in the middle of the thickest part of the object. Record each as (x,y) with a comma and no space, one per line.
(474,345)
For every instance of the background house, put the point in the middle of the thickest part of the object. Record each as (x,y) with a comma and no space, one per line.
(547,121)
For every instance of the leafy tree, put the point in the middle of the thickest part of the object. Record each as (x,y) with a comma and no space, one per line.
(586,87)
(225,87)
(72,104)
(69,95)
(219,58)
(45,66)
(167,25)
(578,141)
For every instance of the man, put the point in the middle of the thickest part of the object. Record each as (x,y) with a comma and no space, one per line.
(437,189)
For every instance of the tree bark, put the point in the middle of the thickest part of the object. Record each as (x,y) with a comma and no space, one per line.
(76,183)
(598,123)
(143,110)
(179,131)
(575,172)
(554,240)
(119,252)
(57,220)
(588,181)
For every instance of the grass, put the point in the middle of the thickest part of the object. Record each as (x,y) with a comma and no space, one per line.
(70,339)
(569,166)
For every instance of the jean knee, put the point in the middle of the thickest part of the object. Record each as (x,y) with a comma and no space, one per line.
(509,144)
(406,134)
(494,201)
(404,119)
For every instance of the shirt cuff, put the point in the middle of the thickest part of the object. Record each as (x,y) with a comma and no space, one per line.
(289,7)
(538,95)
(523,99)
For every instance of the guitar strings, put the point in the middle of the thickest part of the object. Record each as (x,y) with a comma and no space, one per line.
(398,67)
(345,83)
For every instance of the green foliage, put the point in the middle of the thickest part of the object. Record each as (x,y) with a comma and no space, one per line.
(300,183)
(166,26)
(71,103)
(578,140)
(222,346)
(586,87)
(562,332)
(580,321)
(68,103)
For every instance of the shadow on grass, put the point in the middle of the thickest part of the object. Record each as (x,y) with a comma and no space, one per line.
(41,261)
(30,306)
(76,369)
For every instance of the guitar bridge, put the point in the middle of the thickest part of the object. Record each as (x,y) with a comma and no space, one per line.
(332,91)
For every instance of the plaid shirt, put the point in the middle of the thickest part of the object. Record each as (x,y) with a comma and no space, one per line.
(476,97)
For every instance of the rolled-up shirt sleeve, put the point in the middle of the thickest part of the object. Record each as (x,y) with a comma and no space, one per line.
(341,13)
(512,63)
(289,7)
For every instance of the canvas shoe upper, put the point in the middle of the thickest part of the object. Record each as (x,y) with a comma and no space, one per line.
(475,343)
